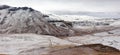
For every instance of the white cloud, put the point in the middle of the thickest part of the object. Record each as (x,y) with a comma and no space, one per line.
(71,5)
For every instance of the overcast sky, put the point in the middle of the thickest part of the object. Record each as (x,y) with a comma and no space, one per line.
(67,5)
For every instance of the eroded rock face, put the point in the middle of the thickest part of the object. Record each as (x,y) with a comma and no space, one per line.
(27,20)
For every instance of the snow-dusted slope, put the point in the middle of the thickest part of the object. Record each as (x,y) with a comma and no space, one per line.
(116,24)
(30,44)
(110,38)
(26,20)
(112,41)
(72,17)
(83,20)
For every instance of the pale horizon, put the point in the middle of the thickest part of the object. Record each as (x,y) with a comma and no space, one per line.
(67,5)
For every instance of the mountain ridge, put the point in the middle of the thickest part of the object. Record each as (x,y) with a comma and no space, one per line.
(27,20)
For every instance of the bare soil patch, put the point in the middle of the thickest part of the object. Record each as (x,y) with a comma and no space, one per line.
(95,49)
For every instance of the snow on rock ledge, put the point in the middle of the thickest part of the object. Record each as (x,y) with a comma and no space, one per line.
(29,44)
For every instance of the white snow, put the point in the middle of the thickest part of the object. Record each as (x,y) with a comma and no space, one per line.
(33,44)
(72,17)
(112,41)
(116,24)
(27,20)
(115,32)
(110,38)
(29,44)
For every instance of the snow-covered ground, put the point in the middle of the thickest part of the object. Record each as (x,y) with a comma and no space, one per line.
(111,38)
(72,17)
(116,24)
(32,44)
(29,44)
(87,23)
(112,41)
(83,20)
(106,31)
(27,20)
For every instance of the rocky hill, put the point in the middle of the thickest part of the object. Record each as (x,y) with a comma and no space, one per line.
(27,20)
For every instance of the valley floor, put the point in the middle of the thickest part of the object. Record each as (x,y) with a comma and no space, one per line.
(106,41)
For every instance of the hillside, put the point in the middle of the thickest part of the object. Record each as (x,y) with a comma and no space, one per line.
(26,20)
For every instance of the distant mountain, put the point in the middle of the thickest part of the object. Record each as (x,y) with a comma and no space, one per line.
(95,14)
(72,17)
(26,20)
